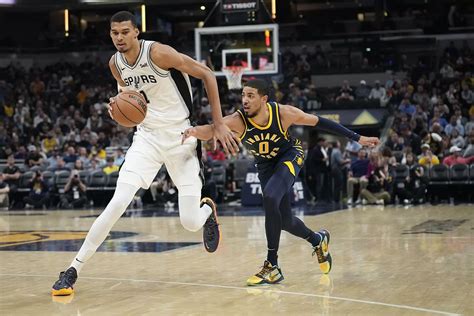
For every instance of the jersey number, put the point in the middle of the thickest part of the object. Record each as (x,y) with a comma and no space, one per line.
(263,148)
(144,95)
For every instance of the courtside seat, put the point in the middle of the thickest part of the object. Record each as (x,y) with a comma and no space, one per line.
(48,177)
(60,180)
(439,175)
(97,180)
(25,179)
(84,176)
(111,181)
(459,174)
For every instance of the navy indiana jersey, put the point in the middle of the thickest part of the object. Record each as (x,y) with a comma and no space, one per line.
(268,143)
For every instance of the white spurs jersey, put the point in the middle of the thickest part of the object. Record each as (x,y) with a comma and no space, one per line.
(168,92)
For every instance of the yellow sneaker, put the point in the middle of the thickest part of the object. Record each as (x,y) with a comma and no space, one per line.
(268,275)
(322,252)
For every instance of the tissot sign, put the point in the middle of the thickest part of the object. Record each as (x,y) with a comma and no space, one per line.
(230,6)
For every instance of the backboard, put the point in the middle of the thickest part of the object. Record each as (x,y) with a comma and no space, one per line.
(254,47)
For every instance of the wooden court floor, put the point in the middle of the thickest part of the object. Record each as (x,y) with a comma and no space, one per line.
(387,261)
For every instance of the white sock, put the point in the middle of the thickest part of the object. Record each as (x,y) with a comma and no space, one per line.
(123,195)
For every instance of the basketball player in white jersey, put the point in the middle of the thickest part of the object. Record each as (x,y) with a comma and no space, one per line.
(160,73)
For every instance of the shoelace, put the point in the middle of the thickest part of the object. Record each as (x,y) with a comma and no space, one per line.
(265,270)
(319,253)
(69,277)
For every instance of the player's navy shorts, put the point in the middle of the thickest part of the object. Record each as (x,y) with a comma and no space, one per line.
(291,160)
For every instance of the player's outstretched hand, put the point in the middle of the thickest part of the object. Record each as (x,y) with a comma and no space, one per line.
(369,141)
(109,107)
(229,141)
(188,133)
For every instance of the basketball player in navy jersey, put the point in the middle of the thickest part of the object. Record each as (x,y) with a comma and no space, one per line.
(263,128)
(160,74)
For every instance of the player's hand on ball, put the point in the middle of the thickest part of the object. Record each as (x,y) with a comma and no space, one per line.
(369,141)
(229,141)
(109,107)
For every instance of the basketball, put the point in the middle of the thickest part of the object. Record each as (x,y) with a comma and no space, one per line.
(129,108)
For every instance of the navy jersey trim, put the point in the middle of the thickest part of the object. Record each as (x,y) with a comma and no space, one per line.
(142,44)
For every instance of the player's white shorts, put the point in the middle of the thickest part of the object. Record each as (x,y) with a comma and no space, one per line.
(151,149)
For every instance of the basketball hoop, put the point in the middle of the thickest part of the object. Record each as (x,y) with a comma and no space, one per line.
(233,74)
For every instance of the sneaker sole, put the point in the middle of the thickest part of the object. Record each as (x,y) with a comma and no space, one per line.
(62,292)
(265,282)
(326,266)
(213,206)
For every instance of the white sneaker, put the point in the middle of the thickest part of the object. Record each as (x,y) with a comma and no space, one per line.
(364,202)
(359,201)
(380,202)
(349,201)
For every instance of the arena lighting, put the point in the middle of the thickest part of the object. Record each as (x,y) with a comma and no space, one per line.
(7,2)
(274,9)
(143,18)
(203,7)
(66,22)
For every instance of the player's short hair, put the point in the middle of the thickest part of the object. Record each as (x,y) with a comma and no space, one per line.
(259,84)
(123,16)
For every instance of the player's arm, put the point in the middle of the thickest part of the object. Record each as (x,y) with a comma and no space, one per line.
(206,132)
(291,115)
(167,57)
(120,84)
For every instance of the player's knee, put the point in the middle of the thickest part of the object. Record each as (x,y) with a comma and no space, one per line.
(270,198)
(286,223)
(190,223)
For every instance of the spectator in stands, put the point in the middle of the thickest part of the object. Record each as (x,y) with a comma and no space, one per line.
(110,166)
(60,165)
(119,157)
(11,176)
(378,93)
(457,139)
(216,154)
(39,192)
(416,184)
(375,193)
(395,143)
(406,107)
(437,119)
(84,157)
(49,142)
(163,191)
(4,193)
(447,71)
(352,150)
(411,139)
(362,92)
(455,157)
(454,124)
(420,96)
(469,152)
(94,165)
(94,122)
(70,155)
(467,96)
(78,165)
(33,158)
(317,168)
(74,195)
(434,140)
(338,168)
(427,158)
(345,93)
(357,175)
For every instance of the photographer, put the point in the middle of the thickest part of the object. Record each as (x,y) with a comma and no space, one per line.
(74,195)
(39,192)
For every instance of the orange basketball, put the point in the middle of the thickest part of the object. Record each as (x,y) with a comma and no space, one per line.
(129,108)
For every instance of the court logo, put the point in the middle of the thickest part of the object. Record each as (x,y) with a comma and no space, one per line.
(434,226)
(45,240)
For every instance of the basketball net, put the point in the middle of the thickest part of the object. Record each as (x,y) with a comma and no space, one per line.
(233,74)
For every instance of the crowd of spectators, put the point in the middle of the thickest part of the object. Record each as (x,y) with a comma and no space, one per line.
(54,119)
